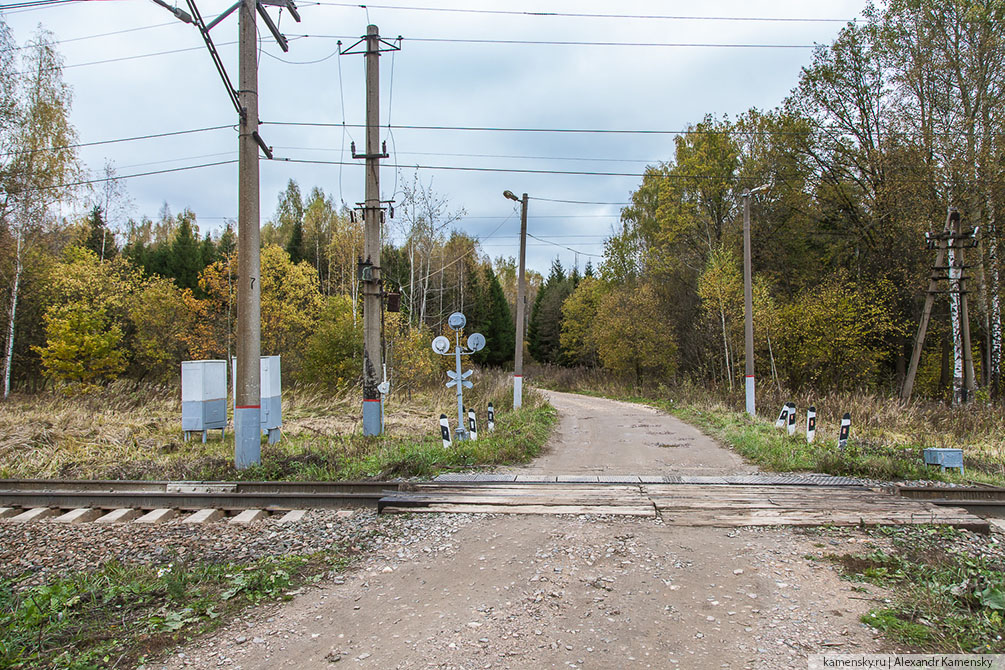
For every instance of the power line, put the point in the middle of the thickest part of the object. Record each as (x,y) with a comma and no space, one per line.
(456,168)
(91,37)
(454,155)
(34,4)
(580,15)
(556,244)
(172,133)
(102,180)
(121,59)
(580,202)
(502,129)
(585,43)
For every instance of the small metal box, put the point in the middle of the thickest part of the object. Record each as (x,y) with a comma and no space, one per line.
(944,458)
(203,397)
(270,394)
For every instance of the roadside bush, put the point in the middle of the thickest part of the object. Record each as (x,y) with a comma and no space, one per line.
(335,348)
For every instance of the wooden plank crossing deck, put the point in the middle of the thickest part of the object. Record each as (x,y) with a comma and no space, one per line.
(683,504)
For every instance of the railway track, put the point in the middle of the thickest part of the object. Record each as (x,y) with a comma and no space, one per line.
(737,500)
(112,501)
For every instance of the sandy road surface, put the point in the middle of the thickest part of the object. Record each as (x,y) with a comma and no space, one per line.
(569,592)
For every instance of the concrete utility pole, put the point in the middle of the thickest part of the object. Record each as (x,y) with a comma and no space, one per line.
(520,299)
(247,386)
(748,305)
(369,266)
(247,410)
(371,239)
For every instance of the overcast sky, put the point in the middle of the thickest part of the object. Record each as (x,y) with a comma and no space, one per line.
(144,90)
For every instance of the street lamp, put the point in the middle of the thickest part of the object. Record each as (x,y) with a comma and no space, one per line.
(748,302)
(518,353)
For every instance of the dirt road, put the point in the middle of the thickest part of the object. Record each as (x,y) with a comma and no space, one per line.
(573,591)
(599,436)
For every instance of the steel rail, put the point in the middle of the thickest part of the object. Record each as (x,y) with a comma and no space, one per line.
(956,495)
(115,494)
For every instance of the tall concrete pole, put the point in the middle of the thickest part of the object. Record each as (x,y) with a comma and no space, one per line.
(748,309)
(520,310)
(371,239)
(247,410)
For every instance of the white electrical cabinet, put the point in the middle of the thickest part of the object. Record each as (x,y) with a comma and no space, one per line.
(271,395)
(203,397)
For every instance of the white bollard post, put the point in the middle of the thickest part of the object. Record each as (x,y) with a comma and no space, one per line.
(792,418)
(783,416)
(472,425)
(445,431)
(492,418)
(845,431)
(811,424)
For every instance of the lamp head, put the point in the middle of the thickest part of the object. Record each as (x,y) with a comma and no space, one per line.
(511,196)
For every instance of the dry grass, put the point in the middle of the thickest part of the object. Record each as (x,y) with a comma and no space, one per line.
(127,431)
(879,423)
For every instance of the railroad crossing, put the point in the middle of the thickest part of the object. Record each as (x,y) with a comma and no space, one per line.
(721,501)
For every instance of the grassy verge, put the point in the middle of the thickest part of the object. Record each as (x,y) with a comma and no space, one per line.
(944,596)
(887,439)
(120,615)
(126,432)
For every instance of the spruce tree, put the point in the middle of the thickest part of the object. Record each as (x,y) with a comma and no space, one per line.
(184,260)
(295,246)
(546,320)
(100,240)
(499,330)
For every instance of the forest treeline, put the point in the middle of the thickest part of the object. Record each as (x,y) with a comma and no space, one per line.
(900,118)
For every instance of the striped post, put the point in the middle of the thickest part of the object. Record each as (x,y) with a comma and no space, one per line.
(472,424)
(811,424)
(783,416)
(492,418)
(445,431)
(792,418)
(845,431)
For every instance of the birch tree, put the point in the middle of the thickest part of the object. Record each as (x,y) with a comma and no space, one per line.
(41,161)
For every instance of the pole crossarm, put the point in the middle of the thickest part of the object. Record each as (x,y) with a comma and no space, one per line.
(389,46)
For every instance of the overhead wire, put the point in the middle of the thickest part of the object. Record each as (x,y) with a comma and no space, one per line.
(478,240)
(587,43)
(583,159)
(134,138)
(101,180)
(96,36)
(578,202)
(504,129)
(29,5)
(584,15)
(556,244)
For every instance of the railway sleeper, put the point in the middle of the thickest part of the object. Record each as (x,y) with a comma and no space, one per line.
(97,515)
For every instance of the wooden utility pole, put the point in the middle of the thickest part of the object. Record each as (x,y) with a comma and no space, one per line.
(247,410)
(369,265)
(950,242)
